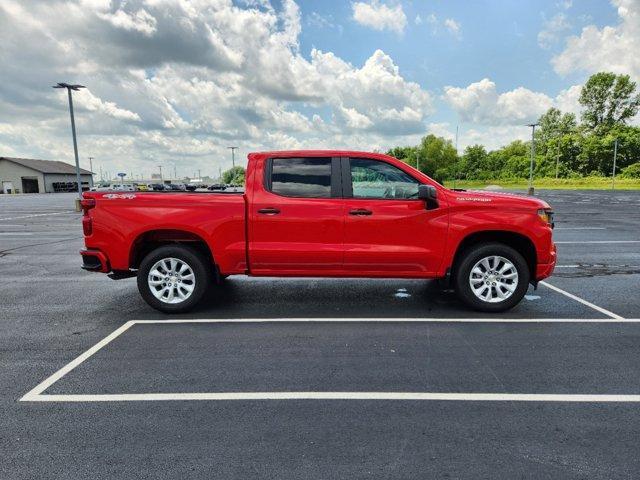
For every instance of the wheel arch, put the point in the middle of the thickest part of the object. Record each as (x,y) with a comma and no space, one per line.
(149,240)
(519,242)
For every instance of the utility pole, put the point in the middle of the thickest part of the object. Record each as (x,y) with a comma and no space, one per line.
(455,173)
(233,156)
(175,175)
(101,177)
(91,167)
(160,167)
(73,133)
(615,158)
(533,155)
(199,176)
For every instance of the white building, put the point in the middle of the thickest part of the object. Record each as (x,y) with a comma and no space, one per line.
(26,175)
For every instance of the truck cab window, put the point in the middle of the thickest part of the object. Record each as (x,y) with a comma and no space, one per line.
(301,177)
(376,179)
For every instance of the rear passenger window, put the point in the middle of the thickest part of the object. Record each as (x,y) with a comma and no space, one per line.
(301,177)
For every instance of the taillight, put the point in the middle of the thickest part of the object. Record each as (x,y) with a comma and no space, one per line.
(87,225)
(87,204)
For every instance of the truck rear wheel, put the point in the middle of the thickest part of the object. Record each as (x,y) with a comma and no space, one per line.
(173,278)
(491,277)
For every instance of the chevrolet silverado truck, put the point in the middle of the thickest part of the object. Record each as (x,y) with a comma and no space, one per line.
(321,214)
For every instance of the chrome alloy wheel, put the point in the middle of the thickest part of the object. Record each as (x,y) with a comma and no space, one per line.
(493,279)
(171,280)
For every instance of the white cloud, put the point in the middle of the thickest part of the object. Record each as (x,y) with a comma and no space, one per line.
(453,27)
(449,24)
(418,20)
(480,103)
(380,16)
(611,48)
(183,86)
(552,29)
(140,21)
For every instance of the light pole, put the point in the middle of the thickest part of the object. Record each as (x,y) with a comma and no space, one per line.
(455,173)
(615,158)
(160,167)
(233,156)
(91,168)
(73,133)
(533,155)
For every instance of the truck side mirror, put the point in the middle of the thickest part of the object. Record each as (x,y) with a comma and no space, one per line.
(429,194)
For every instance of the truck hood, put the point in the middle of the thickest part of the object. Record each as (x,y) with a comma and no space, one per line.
(481,197)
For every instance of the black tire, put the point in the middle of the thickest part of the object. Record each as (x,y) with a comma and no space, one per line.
(197,262)
(475,254)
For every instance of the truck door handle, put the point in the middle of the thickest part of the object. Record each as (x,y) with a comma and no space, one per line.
(360,211)
(269,211)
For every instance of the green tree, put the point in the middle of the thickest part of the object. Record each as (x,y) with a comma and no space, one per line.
(474,162)
(437,157)
(234,176)
(608,100)
(553,124)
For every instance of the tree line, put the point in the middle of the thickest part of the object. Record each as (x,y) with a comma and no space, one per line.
(564,147)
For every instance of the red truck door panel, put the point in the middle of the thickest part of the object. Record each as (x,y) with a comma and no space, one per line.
(388,230)
(297,217)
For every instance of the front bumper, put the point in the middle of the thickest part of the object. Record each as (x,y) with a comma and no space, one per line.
(544,270)
(95,261)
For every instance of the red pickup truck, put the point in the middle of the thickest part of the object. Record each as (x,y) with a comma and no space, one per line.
(321,214)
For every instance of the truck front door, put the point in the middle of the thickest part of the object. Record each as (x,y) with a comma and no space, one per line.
(388,230)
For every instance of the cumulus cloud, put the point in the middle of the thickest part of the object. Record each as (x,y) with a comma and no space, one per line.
(380,16)
(481,103)
(611,48)
(552,29)
(178,81)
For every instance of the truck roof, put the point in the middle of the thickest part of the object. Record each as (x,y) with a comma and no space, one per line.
(319,153)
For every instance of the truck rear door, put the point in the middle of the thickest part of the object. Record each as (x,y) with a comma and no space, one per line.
(297,217)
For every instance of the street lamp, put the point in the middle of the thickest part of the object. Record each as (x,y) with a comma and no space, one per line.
(73,132)
(233,157)
(533,155)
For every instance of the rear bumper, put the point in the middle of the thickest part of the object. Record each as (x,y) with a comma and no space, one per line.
(95,261)
(544,270)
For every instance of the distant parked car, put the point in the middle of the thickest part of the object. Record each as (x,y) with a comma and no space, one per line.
(125,187)
(191,187)
(142,187)
(101,188)
(217,186)
(176,187)
(156,187)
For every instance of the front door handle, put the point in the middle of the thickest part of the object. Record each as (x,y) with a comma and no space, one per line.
(360,211)
(269,211)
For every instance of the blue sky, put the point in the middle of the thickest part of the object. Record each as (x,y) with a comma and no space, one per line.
(175,82)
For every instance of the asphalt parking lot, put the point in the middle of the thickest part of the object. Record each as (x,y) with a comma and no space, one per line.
(390,378)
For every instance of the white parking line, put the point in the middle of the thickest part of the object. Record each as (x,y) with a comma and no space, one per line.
(580,228)
(582,301)
(598,241)
(444,396)
(36,395)
(38,215)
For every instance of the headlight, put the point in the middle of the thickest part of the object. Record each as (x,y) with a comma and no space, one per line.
(546,215)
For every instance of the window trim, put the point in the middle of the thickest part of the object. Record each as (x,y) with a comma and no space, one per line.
(347,183)
(336,184)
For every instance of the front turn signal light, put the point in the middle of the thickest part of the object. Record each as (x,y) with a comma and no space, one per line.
(546,215)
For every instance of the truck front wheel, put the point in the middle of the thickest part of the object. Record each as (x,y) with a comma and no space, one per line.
(491,277)
(173,278)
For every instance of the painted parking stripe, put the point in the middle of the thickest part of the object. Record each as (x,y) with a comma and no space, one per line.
(582,301)
(15,234)
(415,396)
(38,215)
(580,228)
(596,241)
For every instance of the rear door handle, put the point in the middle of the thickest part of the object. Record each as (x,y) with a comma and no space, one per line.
(269,211)
(360,211)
